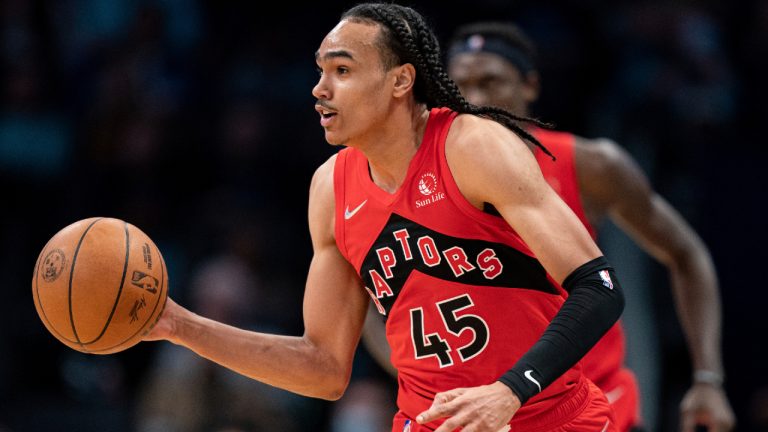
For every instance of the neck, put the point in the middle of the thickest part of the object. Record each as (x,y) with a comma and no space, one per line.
(390,153)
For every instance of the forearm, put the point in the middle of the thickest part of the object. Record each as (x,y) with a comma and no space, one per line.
(667,237)
(697,300)
(594,304)
(288,362)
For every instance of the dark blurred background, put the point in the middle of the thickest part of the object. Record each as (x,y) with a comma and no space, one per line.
(194,121)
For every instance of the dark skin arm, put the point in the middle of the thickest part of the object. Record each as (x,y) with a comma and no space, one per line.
(613,185)
(375,340)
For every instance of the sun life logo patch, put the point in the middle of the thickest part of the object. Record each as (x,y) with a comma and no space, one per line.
(427,184)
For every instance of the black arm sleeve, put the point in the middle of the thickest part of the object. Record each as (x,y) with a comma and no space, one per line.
(594,303)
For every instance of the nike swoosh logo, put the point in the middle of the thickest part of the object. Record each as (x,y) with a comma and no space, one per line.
(348,214)
(528,374)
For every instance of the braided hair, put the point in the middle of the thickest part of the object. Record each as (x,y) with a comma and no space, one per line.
(406,38)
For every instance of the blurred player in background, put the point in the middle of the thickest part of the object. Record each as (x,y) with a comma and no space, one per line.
(483,333)
(494,64)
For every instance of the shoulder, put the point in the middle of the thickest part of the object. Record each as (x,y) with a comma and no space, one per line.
(607,171)
(600,155)
(322,179)
(481,139)
(322,203)
(485,157)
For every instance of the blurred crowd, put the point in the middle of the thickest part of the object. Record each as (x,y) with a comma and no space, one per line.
(194,121)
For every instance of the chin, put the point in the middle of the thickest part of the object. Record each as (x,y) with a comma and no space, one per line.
(334,140)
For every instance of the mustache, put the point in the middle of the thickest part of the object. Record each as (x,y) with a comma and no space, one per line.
(325,105)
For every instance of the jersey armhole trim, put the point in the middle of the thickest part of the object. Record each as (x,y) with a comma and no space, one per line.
(339,170)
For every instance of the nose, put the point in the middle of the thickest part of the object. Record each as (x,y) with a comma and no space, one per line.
(321,90)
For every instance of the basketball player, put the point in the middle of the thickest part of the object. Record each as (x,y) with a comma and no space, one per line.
(483,334)
(495,64)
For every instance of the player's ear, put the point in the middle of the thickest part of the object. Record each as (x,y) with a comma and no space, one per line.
(405,78)
(531,87)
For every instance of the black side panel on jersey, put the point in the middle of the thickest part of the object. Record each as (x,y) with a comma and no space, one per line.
(510,268)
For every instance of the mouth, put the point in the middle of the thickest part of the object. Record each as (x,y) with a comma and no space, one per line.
(326,115)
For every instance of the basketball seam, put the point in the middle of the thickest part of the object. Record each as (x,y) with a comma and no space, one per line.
(71,276)
(142,328)
(119,290)
(146,326)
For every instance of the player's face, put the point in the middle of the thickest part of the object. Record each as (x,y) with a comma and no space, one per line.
(354,90)
(488,79)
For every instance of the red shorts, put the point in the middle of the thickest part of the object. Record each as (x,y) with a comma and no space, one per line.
(587,410)
(623,394)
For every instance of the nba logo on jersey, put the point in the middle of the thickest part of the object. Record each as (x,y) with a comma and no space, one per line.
(407,427)
(607,282)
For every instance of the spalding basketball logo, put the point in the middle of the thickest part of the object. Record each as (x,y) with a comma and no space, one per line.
(53,265)
(428,184)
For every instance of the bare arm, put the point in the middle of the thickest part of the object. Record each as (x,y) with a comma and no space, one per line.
(613,184)
(511,180)
(375,340)
(492,165)
(317,364)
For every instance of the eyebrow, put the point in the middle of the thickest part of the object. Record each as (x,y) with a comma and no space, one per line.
(334,54)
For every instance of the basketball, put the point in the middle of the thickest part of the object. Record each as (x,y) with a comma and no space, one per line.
(99,285)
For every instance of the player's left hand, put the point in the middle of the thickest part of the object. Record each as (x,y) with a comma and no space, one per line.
(706,405)
(486,408)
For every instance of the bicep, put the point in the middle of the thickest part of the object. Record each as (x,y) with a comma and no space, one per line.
(334,299)
(618,184)
(496,167)
(334,304)
(655,225)
(551,230)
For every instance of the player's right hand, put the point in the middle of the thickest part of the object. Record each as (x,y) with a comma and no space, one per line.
(485,408)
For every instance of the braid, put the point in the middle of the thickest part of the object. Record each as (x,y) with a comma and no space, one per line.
(408,39)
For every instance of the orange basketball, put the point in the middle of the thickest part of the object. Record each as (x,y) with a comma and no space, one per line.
(99,285)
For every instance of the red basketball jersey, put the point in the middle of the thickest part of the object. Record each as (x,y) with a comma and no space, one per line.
(461,293)
(606,358)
